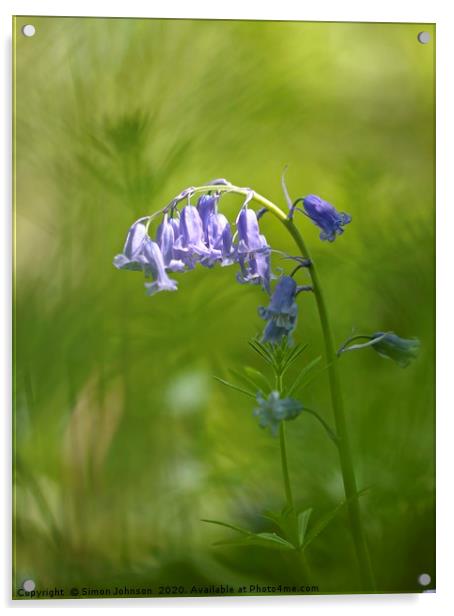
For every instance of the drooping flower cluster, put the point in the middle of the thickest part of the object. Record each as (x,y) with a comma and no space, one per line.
(197,234)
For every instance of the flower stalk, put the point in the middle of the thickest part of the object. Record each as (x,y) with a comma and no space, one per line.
(344,447)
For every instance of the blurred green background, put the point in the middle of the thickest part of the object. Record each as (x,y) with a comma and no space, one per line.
(123,440)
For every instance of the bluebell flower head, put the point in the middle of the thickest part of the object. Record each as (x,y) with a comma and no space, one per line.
(274,409)
(132,256)
(156,268)
(282,311)
(391,346)
(197,234)
(325,216)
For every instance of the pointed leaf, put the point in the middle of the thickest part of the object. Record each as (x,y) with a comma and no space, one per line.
(236,388)
(258,378)
(244,531)
(297,383)
(303,520)
(266,540)
(274,538)
(261,350)
(292,356)
(243,379)
(321,524)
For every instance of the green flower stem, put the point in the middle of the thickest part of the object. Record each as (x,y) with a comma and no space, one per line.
(284,461)
(283,445)
(346,462)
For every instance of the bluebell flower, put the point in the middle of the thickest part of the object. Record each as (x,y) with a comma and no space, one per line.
(156,268)
(391,346)
(386,344)
(219,241)
(165,238)
(253,252)
(207,207)
(249,238)
(190,243)
(132,256)
(282,311)
(274,409)
(325,216)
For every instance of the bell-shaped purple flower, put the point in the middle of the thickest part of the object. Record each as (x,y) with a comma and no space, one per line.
(282,311)
(253,252)
(249,238)
(190,243)
(207,207)
(219,241)
(165,238)
(325,216)
(155,267)
(132,256)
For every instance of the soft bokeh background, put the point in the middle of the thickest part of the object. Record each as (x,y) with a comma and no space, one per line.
(123,439)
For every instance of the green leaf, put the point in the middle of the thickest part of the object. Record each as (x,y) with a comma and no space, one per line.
(287,523)
(275,538)
(244,531)
(297,383)
(293,356)
(266,540)
(236,388)
(258,378)
(303,520)
(321,524)
(261,350)
(272,540)
(243,379)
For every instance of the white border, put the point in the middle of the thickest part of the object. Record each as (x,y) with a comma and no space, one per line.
(323,10)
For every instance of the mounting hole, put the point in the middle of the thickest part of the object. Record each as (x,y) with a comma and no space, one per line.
(28,30)
(424,38)
(29,585)
(424,579)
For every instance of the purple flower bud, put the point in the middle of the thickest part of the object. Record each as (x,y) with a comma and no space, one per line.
(132,256)
(325,216)
(391,346)
(155,265)
(282,311)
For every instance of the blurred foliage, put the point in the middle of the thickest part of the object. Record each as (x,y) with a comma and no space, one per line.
(123,439)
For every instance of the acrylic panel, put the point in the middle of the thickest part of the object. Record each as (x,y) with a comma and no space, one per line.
(223,308)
